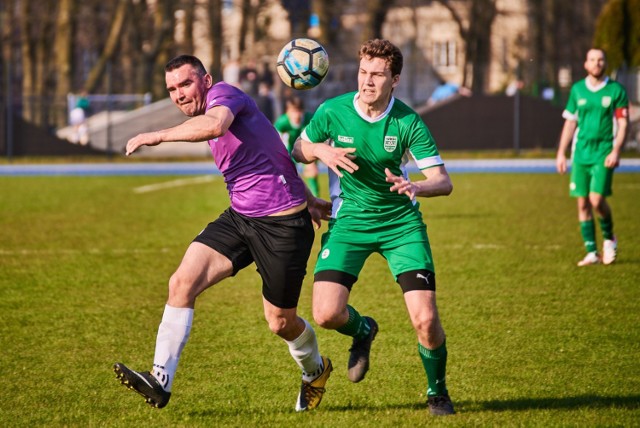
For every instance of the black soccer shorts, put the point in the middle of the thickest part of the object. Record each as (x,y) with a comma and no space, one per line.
(279,245)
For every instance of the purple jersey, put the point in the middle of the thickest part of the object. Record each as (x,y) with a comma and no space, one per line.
(260,176)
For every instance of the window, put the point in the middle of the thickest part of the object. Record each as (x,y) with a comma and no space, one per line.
(444,55)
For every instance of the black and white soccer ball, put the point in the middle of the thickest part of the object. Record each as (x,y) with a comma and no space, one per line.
(302,64)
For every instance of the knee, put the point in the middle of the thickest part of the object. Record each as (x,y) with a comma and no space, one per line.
(279,325)
(180,291)
(327,317)
(426,324)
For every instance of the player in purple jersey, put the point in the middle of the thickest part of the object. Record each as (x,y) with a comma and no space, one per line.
(270,222)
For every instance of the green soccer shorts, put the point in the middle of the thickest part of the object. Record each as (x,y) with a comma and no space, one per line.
(405,246)
(586,179)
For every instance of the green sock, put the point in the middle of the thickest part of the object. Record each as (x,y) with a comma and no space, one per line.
(435,365)
(312,184)
(588,231)
(606,225)
(356,327)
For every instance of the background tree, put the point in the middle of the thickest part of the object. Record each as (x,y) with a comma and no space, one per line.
(117,23)
(618,33)
(215,31)
(475,30)
(63,46)
(299,13)
(376,12)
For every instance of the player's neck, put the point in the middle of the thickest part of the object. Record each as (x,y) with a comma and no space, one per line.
(373,110)
(594,80)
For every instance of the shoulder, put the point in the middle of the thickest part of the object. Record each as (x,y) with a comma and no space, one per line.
(226,95)
(340,101)
(579,85)
(616,85)
(403,113)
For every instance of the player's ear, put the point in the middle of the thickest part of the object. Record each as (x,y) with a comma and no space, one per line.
(395,80)
(208,80)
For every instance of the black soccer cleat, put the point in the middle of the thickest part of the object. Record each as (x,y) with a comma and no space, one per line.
(144,383)
(440,405)
(360,349)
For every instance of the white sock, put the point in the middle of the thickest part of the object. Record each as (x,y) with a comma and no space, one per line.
(304,350)
(173,334)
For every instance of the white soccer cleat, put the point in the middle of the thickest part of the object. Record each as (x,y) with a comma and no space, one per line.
(609,251)
(590,259)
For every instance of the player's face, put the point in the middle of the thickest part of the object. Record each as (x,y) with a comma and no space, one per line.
(188,90)
(295,115)
(595,63)
(375,83)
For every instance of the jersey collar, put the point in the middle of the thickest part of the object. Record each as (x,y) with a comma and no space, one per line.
(372,119)
(597,87)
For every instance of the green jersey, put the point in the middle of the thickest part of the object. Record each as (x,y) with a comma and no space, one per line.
(382,142)
(284,126)
(594,109)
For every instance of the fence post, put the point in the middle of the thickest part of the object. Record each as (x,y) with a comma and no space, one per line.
(9,117)
(516,122)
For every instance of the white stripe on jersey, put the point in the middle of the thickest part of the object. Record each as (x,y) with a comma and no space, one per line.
(428,162)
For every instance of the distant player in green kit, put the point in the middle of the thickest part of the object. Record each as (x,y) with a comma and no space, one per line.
(597,113)
(375,211)
(290,124)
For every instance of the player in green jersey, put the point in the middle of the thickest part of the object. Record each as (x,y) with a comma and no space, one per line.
(290,124)
(375,210)
(596,121)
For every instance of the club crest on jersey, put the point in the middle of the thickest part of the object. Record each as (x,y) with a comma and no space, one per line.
(390,143)
(606,101)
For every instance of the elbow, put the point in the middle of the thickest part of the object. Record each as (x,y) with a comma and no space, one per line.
(448,189)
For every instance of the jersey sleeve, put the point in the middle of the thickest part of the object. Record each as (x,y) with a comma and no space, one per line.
(317,129)
(422,145)
(228,97)
(570,111)
(621,104)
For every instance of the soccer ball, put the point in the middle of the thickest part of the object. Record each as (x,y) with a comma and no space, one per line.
(302,64)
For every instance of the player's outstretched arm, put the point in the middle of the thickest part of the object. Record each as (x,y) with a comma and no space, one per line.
(212,124)
(436,183)
(337,159)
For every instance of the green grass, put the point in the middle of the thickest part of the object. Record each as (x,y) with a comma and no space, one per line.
(532,339)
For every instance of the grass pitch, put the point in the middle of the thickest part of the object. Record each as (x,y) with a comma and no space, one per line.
(533,340)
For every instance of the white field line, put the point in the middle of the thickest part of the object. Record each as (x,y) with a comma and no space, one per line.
(173,183)
(68,251)
(94,251)
(489,246)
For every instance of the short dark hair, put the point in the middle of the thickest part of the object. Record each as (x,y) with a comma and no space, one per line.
(604,54)
(296,102)
(378,48)
(181,60)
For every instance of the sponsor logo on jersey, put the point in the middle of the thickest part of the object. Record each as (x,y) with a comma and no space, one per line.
(390,143)
(325,253)
(606,101)
(582,101)
(344,139)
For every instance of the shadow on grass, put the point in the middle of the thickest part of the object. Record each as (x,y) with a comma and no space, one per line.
(523,404)
(568,403)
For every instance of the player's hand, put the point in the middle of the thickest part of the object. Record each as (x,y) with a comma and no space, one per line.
(147,139)
(319,210)
(612,160)
(401,185)
(561,163)
(336,158)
